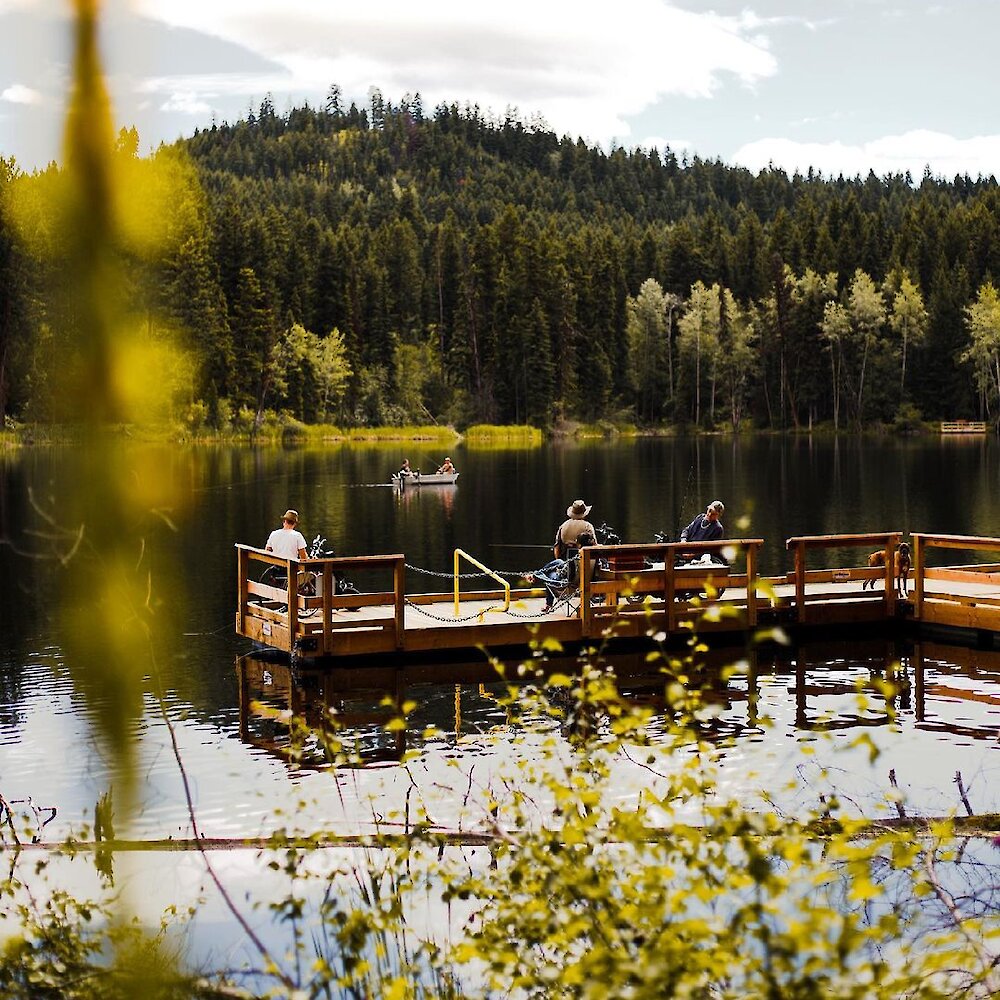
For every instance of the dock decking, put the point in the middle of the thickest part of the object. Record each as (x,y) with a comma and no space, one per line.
(619,596)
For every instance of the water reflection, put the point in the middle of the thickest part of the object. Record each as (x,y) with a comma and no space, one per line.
(826,687)
(430,497)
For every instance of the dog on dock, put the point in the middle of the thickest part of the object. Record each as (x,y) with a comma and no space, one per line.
(901,569)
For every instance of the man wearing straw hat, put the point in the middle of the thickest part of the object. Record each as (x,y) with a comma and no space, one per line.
(287,541)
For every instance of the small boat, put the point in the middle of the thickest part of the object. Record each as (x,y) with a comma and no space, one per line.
(427,479)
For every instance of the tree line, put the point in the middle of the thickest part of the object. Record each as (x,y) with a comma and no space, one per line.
(384,265)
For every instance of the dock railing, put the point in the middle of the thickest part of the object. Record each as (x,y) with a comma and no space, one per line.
(963,426)
(969,595)
(629,586)
(801,574)
(299,616)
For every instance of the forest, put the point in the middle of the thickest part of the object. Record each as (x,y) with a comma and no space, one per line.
(385,265)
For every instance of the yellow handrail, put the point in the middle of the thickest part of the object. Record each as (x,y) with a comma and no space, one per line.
(475,562)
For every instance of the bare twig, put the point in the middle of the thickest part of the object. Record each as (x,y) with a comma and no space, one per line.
(990,976)
(961,792)
(899,802)
(262,949)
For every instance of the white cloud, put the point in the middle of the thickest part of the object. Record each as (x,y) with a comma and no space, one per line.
(19,94)
(945,154)
(586,68)
(186,102)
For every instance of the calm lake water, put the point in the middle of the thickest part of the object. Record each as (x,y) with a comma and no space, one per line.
(505,502)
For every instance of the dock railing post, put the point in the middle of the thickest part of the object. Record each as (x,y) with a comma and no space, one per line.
(293,602)
(752,584)
(891,543)
(328,591)
(918,576)
(800,581)
(242,578)
(399,591)
(587,564)
(668,587)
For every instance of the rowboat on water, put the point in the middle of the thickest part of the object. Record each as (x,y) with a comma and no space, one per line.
(427,479)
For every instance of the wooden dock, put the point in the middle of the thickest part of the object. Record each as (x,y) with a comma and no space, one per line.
(620,596)
(963,426)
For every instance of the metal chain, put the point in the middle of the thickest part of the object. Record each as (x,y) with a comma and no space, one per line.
(477,614)
(469,576)
(441,618)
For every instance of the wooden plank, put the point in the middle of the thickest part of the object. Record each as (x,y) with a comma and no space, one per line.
(962,616)
(877,539)
(985,542)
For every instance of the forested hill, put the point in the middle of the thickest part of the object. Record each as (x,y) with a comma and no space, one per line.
(389,265)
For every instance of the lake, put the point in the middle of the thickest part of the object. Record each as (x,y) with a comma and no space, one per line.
(504,510)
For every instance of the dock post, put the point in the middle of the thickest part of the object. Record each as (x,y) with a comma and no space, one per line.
(242,577)
(293,603)
(918,576)
(891,544)
(800,582)
(586,611)
(399,592)
(329,587)
(752,585)
(668,589)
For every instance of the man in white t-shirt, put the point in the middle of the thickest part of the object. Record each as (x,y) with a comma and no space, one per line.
(287,541)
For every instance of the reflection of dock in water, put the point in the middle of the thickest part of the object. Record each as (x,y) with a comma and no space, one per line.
(296,714)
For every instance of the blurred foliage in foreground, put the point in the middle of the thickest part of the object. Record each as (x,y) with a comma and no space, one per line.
(554,884)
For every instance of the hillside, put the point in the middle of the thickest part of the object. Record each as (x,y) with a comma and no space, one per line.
(491,270)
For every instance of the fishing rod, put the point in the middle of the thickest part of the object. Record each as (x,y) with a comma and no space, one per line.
(519,545)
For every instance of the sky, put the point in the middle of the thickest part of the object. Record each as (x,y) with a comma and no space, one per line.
(843,86)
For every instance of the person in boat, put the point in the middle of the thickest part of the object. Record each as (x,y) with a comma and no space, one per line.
(446,467)
(707,527)
(287,541)
(404,469)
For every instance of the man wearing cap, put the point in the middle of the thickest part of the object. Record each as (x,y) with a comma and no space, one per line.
(568,535)
(287,541)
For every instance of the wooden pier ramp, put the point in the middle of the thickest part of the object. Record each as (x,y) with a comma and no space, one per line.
(624,592)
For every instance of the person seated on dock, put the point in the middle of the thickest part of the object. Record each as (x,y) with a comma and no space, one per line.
(707,527)
(287,541)
(446,468)
(561,576)
(568,533)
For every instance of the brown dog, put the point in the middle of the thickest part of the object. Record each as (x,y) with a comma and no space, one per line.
(902,568)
